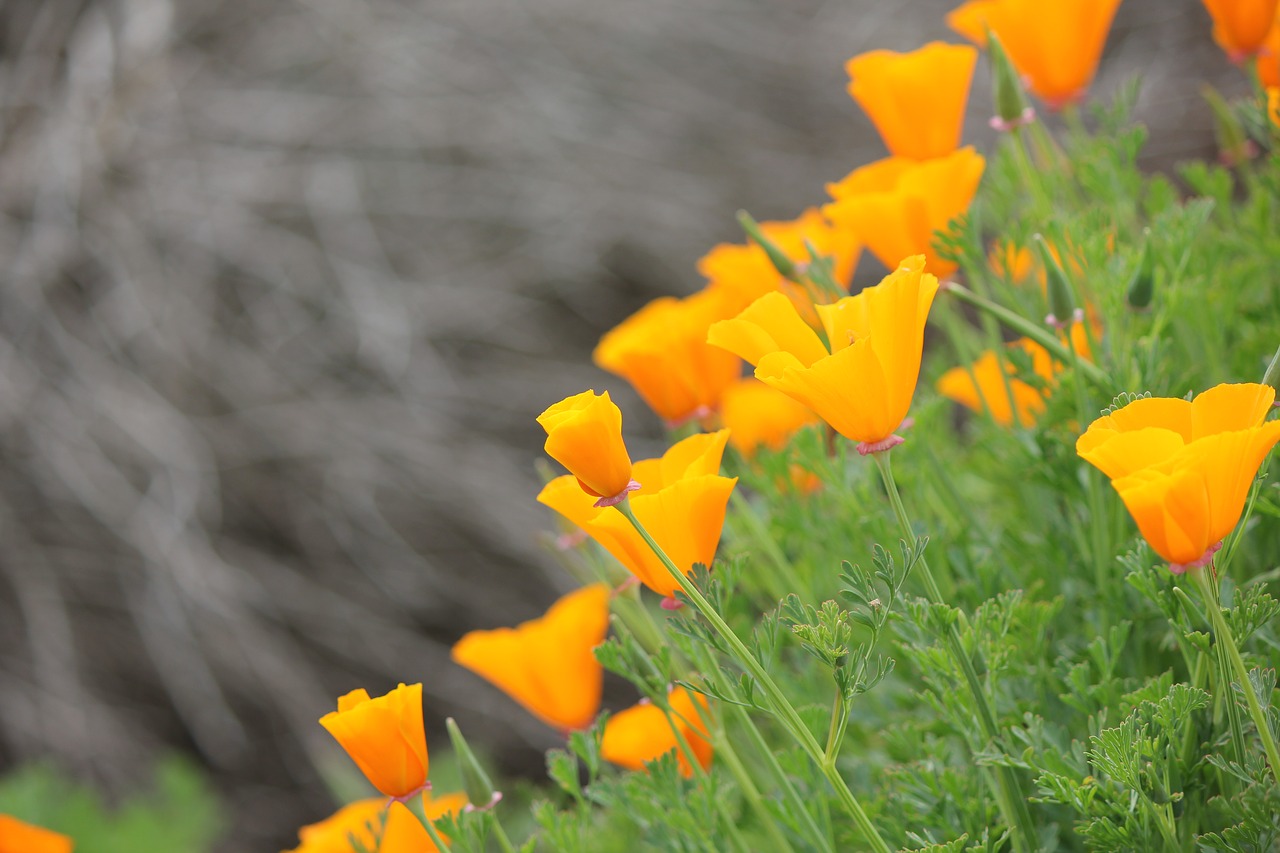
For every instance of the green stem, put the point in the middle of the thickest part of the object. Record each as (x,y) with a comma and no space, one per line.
(696,769)
(779,582)
(419,811)
(821,840)
(1222,635)
(1027,328)
(786,712)
(839,713)
(501,834)
(724,749)
(1013,804)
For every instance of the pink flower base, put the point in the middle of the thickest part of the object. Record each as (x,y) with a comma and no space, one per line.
(866,448)
(619,497)
(1205,559)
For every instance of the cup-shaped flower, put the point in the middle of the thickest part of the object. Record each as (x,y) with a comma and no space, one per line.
(740,273)
(403,832)
(864,385)
(584,434)
(916,100)
(547,664)
(384,737)
(641,733)
(759,416)
(662,351)
(991,383)
(895,207)
(1184,468)
(19,837)
(681,503)
(1054,44)
(1240,27)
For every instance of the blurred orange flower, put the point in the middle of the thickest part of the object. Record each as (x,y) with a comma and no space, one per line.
(403,832)
(641,733)
(894,206)
(916,100)
(384,737)
(1240,27)
(1054,44)
(19,837)
(864,385)
(1269,56)
(662,351)
(759,416)
(741,273)
(1273,105)
(681,503)
(547,664)
(1184,468)
(584,434)
(990,383)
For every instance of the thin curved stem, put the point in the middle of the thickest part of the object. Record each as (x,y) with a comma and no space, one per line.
(786,712)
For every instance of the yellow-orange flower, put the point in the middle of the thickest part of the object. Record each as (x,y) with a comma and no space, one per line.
(641,733)
(1184,468)
(895,206)
(403,832)
(1273,105)
(384,737)
(584,434)
(547,664)
(1240,27)
(916,100)
(863,387)
(662,351)
(990,383)
(19,837)
(681,502)
(759,416)
(738,274)
(1269,56)
(1054,44)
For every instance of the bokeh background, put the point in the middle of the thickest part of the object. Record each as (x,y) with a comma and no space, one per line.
(284,284)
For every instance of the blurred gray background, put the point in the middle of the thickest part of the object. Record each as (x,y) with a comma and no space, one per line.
(284,284)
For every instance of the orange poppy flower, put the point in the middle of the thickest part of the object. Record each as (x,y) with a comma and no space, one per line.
(741,273)
(1269,56)
(759,416)
(402,833)
(641,733)
(547,664)
(1273,105)
(916,100)
(19,837)
(863,387)
(990,384)
(384,737)
(1240,27)
(662,351)
(584,434)
(895,206)
(1054,44)
(1184,468)
(681,503)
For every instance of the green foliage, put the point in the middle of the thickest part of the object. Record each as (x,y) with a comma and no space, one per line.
(179,812)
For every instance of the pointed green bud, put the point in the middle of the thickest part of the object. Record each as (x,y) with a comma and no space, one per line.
(1234,144)
(474,780)
(1062,299)
(1272,375)
(1012,108)
(1142,286)
(777,257)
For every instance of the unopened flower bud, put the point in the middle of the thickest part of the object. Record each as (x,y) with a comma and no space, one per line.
(1143,284)
(474,780)
(1062,300)
(1012,109)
